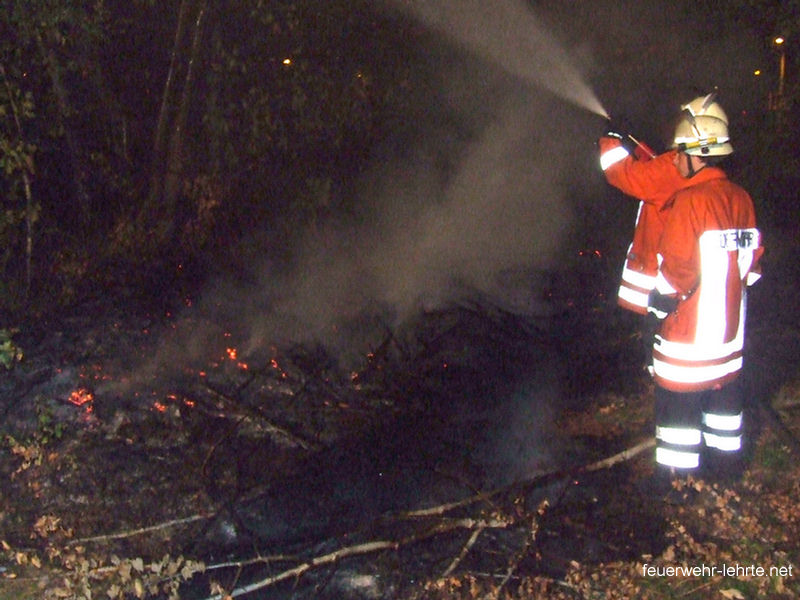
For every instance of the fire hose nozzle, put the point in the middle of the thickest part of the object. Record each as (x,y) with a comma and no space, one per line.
(648,152)
(620,127)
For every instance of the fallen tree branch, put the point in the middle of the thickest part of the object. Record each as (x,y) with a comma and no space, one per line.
(319,561)
(538,480)
(521,554)
(134,532)
(623,456)
(440,509)
(432,511)
(361,549)
(240,564)
(242,409)
(464,551)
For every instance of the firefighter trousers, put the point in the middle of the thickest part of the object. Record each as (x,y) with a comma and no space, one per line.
(689,424)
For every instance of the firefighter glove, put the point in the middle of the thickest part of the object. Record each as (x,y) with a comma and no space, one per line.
(661,305)
(618,127)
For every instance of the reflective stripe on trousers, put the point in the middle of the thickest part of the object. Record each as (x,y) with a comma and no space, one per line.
(687,421)
(678,447)
(723,432)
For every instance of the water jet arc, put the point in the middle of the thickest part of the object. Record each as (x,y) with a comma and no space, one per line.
(507,33)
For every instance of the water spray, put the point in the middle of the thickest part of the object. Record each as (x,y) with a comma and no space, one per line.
(508,34)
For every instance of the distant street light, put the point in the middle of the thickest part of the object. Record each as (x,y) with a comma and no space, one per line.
(776,99)
(779,42)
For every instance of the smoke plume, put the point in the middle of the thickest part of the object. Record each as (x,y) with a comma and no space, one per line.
(493,180)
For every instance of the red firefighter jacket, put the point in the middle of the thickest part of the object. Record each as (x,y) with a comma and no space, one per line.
(653,182)
(709,254)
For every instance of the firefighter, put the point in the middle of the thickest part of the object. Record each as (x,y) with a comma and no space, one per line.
(708,255)
(651,180)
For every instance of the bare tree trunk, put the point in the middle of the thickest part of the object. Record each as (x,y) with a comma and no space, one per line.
(175,156)
(155,193)
(30,209)
(30,219)
(64,110)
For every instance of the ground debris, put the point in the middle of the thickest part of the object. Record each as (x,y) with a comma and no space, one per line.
(139,491)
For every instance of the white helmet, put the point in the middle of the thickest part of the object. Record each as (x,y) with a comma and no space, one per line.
(703,128)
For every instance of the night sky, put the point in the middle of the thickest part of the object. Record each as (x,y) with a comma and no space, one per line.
(642,58)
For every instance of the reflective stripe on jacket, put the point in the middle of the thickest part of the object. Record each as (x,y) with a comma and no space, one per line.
(653,182)
(709,254)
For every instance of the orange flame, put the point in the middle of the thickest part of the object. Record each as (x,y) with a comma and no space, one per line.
(80,397)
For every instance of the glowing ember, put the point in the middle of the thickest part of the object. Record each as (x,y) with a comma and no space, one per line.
(233,355)
(94,373)
(80,397)
(274,364)
(595,253)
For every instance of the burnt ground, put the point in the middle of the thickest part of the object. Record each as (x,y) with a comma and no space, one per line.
(460,457)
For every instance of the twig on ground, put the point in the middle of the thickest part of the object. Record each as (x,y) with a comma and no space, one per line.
(512,567)
(239,407)
(623,456)
(216,444)
(457,560)
(476,525)
(538,480)
(361,549)
(319,561)
(271,558)
(441,509)
(134,532)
